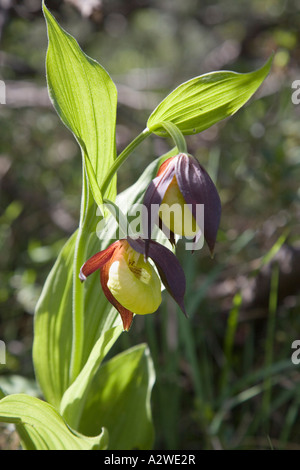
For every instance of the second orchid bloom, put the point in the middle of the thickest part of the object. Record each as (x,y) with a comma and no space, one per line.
(182,185)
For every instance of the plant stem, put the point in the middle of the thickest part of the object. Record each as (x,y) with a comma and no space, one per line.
(174,132)
(170,128)
(78,294)
(122,157)
(78,319)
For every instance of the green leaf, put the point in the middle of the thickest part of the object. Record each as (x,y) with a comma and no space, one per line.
(41,427)
(119,398)
(53,327)
(85,98)
(205,100)
(75,396)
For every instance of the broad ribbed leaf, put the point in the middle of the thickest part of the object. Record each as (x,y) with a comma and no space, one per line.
(205,100)
(74,399)
(85,98)
(41,427)
(119,400)
(53,327)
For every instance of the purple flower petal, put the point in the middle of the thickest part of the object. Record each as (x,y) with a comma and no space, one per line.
(197,187)
(152,200)
(167,231)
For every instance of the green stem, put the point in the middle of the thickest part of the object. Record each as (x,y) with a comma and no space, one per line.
(122,157)
(78,320)
(174,132)
(78,293)
(117,214)
(171,129)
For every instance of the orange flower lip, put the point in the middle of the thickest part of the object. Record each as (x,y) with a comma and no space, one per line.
(196,187)
(168,267)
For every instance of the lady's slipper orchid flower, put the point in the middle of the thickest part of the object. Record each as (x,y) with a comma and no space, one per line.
(183,183)
(130,283)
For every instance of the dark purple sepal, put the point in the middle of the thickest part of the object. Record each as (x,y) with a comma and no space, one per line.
(167,231)
(168,266)
(152,200)
(197,187)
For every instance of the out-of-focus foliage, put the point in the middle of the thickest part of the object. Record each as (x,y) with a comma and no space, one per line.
(224,377)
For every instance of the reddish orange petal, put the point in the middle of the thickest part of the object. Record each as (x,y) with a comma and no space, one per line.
(97,261)
(164,165)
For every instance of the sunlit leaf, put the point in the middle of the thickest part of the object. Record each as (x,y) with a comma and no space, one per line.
(52,327)
(75,396)
(41,427)
(85,98)
(205,100)
(119,400)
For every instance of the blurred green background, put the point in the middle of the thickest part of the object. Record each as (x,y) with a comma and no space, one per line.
(225,378)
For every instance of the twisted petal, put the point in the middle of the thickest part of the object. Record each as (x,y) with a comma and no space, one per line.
(168,231)
(197,187)
(168,266)
(97,261)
